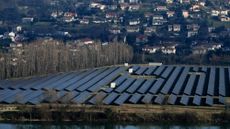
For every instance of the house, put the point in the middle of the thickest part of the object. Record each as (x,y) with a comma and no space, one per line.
(85,41)
(170,14)
(224,18)
(203,48)
(134,22)
(151,49)
(115,30)
(133,7)
(132,29)
(124,6)
(174,28)
(164,48)
(161,8)
(27,20)
(141,39)
(191,33)
(185,13)
(149,30)
(193,27)
(158,20)
(84,21)
(169,1)
(168,50)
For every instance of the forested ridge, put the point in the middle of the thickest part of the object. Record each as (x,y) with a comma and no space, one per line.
(43,57)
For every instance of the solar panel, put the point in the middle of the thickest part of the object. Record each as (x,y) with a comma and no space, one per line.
(159,70)
(98,98)
(16,97)
(38,81)
(34,95)
(209,100)
(144,87)
(169,83)
(147,98)
(200,85)
(197,100)
(204,69)
(96,79)
(109,99)
(82,97)
(211,82)
(71,84)
(22,83)
(48,82)
(62,80)
(135,85)
(135,98)
(68,97)
(141,70)
(180,82)
(9,94)
(105,81)
(184,100)
(122,98)
(160,99)
(222,91)
(36,100)
(135,68)
(195,69)
(125,85)
(172,99)
(221,99)
(150,70)
(156,86)
(190,84)
(121,79)
(84,80)
(167,71)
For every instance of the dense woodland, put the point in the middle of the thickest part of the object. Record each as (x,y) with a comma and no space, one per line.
(49,56)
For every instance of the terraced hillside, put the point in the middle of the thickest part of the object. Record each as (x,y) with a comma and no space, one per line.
(163,84)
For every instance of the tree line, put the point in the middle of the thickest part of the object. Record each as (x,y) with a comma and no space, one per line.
(51,56)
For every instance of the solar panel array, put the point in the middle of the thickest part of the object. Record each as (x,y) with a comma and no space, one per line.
(165,84)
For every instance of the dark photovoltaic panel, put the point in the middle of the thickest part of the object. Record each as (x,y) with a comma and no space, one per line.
(190,84)
(38,82)
(197,100)
(222,91)
(68,96)
(169,83)
(31,97)
(125,85)
(146,86)
(147,98)
(84,80)
(184,100)
(8,94)
(122,98)
(172,99)
(160,99)
(82,97)
(150,70)
(200,85)
(159,70)
(109,99)
(72,83)
(60,81)
(221,99)
(134,89)
(49,82)
(156,86)
(16,97)
(135,68)
(209,100)
(167,72)
(135,85)
(98,98)
(141,70)
(180,82)
(204,69)
(106,79)
(135,98)
(96,79)
(211,82)
(195,69)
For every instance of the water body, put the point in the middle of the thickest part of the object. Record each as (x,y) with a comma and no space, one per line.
(107,126)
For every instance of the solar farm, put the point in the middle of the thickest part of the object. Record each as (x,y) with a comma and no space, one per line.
(118,85)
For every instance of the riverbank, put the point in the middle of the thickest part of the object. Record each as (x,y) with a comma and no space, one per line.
(124,113)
